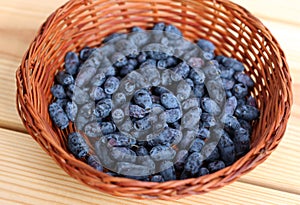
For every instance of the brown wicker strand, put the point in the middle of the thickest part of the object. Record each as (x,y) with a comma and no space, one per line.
(233,30)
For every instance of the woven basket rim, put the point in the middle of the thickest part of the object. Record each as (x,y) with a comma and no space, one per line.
(30,115)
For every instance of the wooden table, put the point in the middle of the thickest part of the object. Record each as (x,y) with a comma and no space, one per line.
(29,176)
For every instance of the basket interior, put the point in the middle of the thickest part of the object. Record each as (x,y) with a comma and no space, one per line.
(232,31)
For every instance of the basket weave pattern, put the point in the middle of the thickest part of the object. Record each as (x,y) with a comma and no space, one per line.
(234,31)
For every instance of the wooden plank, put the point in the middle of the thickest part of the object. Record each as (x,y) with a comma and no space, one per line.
(28,17)
(9,117)
(286,12)
(14,40)
(29,176)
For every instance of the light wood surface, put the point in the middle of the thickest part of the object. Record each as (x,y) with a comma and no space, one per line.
(29,176)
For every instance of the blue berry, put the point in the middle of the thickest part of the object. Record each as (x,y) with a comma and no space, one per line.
(169,101)
(107,128)
(199,90)
(230,105)
(71,110)
(206,46)
(234,64)
(231,123)
(97,93)
(240,90)
(246,125)
(162,64)
(93,130)
(203,171)
(64,78)
(189,136)
(157,178)
(228,93)
(173,115)
(130,169)
(193,163)
(85,53)
(208,55)
(137,111)
(172,32)
(159,90)
(182,69)
(184,175)
(143,98)
(126,70)
(227,149)
(141,151)
(196,62)
(190,82)
(58,91)
(123,154)
(196,145)
(98,79)
(112,36)
(111,85)
(58,116)
(137,29)
(103,108)
(162,152)
(166,137)
(251,101)
(226,73)
(171,61)
(156,55)
(142,124)
(94,162)
(241,141)
(133,62)
(247,112)
(191,118)
(78,95)
(62,102)
(210,152)
(203,133)
(208,120)
(221,59)
(119,140)
(210,106)
(215,166)
(197,76)
(148,64)
(228,84)
(102,152)
(168,171)
(180,159)
(71,63)
(244,79)
(241,102)
(77,145)
(142,57)
(119,60)
(110,71)
(147,162)
(159,26)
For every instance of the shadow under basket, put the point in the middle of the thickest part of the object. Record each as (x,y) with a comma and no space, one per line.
(235,33)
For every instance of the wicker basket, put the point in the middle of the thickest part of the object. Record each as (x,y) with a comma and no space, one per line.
(233,30)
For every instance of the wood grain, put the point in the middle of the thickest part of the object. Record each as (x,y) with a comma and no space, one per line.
(28,175)
(286,12)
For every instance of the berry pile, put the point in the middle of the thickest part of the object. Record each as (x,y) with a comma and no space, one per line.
(154,106)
